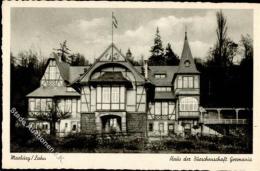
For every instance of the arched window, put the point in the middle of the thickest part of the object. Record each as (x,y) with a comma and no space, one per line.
(188,104)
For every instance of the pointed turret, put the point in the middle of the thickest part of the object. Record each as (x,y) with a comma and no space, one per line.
(187,64)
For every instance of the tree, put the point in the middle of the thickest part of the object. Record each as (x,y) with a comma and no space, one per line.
(229,51)
(246,71)
(53,116)
(130,58)
(141,61)
(220,79)
(247,45)
(26,72)
(221,33)
(170,57)
(78,60)
(157,57)
(129,54)
(225,49)
(63,51)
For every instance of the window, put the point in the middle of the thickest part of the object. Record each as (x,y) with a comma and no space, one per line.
(74,127)
(115,94)
(185,82)
(151,127)
(170,127)
(196,82)
(171,107)
(74,106)
(111,97)
(45,126)
(162,108)
(78,105)
(66,125)
(160,89)
(41,104)
(99,94)
(189,104)
(48,104)
(152,108)
(159,75)
(187,63)
(38,105)
(32,105)
(157,108)
(179,82)
(190,84)
(61,105)
(106,94)
(68,105)
(161,127)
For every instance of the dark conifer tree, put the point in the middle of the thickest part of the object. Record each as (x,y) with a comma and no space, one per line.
(157,56)
(170,57)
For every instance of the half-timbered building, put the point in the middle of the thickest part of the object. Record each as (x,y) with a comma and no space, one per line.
(112,95)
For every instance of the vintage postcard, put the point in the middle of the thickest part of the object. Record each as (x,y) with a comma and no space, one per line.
(130,85)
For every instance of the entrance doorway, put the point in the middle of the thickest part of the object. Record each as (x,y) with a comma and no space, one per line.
(111,124)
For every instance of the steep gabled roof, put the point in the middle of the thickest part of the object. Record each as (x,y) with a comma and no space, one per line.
(187,64)
(76,72)
(170,71)
(107,58)
(64,69)
(69,73)
(52,92)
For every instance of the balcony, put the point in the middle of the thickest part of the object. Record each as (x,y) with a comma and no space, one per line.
(189,114)
(225,121)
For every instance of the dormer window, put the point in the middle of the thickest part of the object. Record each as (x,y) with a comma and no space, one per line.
(160,75)
(187,63)
(163,89)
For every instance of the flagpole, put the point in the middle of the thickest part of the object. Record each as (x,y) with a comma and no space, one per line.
(112,32)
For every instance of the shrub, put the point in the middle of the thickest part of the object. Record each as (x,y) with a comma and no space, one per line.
(80,141)
(21,136)
(156,146)
(134,144)
(185,144)
(111,142)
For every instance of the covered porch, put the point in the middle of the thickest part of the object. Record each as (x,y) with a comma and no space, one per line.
(110,122)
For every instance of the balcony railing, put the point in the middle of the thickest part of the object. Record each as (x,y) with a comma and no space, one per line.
(189,114)
(224,121)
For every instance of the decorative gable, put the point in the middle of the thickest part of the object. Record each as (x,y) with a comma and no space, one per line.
(112,54)
(52,76)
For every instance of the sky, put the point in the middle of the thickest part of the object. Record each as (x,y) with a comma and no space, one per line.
(88,30)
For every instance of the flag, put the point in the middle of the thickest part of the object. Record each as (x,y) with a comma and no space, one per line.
(114,21)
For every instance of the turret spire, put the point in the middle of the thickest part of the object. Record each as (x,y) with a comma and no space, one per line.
(185,32)
(187,64)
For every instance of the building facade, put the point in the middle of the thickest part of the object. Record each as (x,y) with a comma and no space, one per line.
(112,95)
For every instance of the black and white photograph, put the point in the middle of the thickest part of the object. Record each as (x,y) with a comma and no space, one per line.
(111,80)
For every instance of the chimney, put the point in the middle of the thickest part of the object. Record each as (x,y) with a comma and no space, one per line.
(146,69)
